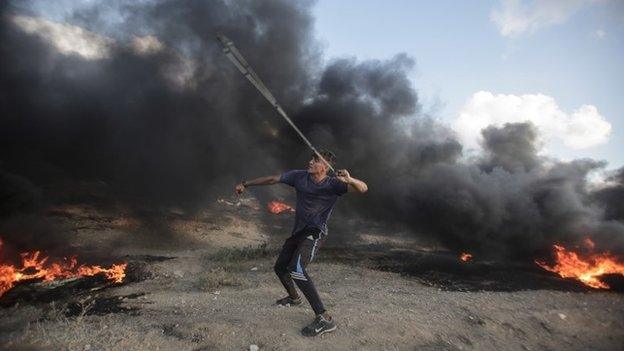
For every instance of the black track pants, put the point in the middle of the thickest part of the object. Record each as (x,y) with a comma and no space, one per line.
(298,251)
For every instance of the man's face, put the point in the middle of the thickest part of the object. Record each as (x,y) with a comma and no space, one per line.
(316,166)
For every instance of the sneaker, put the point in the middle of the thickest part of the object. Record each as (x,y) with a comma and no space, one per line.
(320,326)
(289,301)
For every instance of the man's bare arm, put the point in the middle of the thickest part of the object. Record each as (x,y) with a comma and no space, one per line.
(268,180)
(357,185)
(353,184)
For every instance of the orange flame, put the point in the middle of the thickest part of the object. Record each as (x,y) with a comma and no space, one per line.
(465,257)
(36,267)
(279,207)
(569,264)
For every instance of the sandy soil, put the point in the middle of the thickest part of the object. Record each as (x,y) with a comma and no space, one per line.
(216,291)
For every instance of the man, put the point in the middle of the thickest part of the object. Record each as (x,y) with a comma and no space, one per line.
(316,196)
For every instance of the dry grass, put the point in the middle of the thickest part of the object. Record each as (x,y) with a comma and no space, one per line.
(50,329)
(216,278)
(224,266)
(239,255)
(88,333)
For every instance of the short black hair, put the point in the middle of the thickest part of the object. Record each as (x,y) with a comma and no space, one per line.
(327,155)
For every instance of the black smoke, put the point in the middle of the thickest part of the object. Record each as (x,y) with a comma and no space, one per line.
(123,120)
(175,126)
(512,148)
(611,197)
(179,126)
(510,202)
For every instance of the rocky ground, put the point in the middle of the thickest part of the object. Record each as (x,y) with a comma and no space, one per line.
(211,286)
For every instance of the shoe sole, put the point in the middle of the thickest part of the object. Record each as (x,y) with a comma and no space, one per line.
(322,332)
(327,331)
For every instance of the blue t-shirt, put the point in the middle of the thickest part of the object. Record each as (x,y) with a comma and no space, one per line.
(315,201)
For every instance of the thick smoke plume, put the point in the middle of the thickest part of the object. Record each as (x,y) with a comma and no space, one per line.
(612,197)
(155,111)
(510,202)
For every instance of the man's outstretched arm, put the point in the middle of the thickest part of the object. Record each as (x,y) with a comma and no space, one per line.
(268,180)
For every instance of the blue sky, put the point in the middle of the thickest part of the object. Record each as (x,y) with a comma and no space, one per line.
(571,51)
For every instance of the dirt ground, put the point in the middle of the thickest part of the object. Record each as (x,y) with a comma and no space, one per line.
(213,288)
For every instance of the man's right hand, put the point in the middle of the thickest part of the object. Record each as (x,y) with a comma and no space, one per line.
(268,180)
(239,188)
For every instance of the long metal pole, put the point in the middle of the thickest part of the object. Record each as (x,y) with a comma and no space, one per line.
(237,59)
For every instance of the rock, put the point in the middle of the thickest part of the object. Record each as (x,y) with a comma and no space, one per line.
(253,347)
(562,316)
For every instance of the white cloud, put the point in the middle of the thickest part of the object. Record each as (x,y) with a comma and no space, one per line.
(600,34)
(74,40)
(583,128)
(147,45)
(67,39)
(517,17)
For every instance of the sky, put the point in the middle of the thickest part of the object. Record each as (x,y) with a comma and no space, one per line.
(557,63)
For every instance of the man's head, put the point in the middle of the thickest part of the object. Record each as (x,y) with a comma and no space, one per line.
(317,166)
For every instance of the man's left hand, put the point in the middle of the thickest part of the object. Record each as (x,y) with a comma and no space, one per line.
(343,176)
